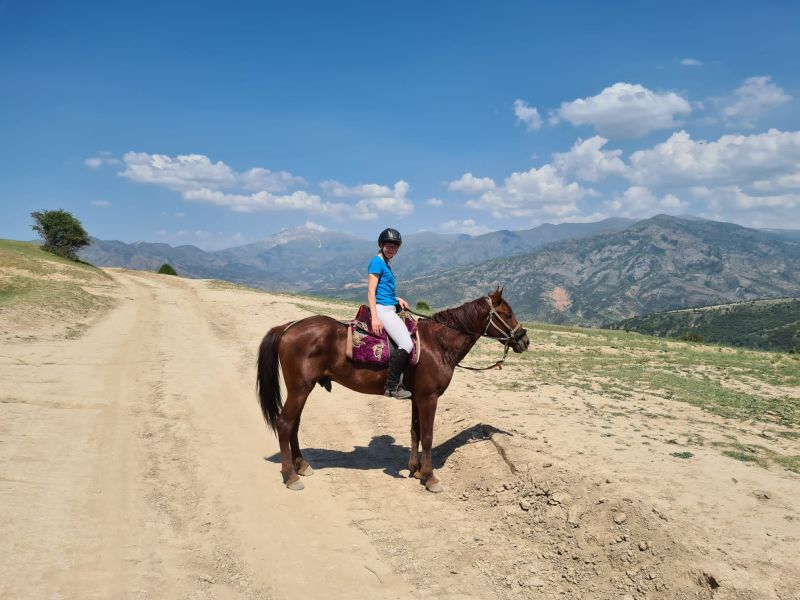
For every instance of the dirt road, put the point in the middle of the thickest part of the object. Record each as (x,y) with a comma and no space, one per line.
(135,464)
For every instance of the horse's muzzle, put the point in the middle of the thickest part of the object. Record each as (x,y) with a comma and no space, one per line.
(521,341)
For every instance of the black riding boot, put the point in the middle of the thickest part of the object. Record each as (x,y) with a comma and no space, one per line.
(394,388)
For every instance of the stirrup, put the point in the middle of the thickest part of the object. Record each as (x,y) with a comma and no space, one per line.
(399,392)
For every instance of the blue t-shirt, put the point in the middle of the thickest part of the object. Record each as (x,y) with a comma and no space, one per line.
(384,294)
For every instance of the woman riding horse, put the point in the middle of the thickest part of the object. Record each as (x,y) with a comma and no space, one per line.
(313,351)
(383,304)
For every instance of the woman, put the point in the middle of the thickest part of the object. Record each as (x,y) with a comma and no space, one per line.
(383,303)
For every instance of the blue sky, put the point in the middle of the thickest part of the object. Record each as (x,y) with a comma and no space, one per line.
(218,125)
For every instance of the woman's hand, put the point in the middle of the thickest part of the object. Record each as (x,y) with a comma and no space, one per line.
(403,304)
(377,326)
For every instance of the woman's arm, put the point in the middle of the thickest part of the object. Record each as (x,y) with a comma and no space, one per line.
(402,303)
(372,286)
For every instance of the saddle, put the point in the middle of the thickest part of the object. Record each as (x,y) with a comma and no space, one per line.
(365,346)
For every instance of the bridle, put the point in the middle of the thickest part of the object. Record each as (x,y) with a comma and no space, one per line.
(508,337)
(512,333)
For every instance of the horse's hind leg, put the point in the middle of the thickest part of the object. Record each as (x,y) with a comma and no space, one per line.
(285,426)
(301,466)
(413,455)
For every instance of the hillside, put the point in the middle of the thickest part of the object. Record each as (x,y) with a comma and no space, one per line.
(766,324)
(658,264)
(46,295)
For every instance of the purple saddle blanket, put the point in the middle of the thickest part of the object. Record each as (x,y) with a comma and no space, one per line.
(364,346)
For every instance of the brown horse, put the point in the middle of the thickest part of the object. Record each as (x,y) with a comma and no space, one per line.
(312,351)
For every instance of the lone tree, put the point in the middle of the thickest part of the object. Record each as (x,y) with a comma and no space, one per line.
(63,234)
(166,269)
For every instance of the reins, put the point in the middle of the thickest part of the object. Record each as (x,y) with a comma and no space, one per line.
(506,340)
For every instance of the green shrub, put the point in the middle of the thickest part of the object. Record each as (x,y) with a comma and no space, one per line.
(62,233)
(422,306)
(166,269)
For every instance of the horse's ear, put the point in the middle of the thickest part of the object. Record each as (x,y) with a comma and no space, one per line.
(497,294)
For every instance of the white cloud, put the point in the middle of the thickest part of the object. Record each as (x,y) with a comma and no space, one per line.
(730,160)
(733,203)
(374,198)
(394,202)
(538,192)
(264,179)
(468,226)
(780,182)
(527,114)
(733,196)
(314,226)
(434,202)
(587,160)
(754,98)
(198,179)
(102,158)
(470,184)
(195,171)
(267,201)
(626,110)
(101,203)
(691,62)
(640,202)
(365,190)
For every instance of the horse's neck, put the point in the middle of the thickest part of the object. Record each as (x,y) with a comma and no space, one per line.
(458,343)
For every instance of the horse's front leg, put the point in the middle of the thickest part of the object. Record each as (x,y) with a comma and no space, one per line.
(413,455)
(427,413)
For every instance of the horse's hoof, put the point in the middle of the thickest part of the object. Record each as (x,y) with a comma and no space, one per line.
(434,487)
(306,470)
(295,484)
(416,475)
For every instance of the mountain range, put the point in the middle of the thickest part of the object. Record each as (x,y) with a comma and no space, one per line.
(303,259)
(580,273)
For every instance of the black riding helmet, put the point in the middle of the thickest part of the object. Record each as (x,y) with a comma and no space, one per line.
(390,235)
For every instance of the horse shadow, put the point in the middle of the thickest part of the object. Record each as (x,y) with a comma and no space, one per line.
(383,452)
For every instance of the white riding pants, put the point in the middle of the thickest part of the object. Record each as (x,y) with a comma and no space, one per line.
(395,327)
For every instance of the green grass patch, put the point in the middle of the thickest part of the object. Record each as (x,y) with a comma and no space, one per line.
(759,455)
(746,457)
(728,382)
(682,454)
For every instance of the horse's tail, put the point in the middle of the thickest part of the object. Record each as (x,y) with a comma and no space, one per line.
(268,382)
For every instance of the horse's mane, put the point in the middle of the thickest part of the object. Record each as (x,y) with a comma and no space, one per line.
(467,317)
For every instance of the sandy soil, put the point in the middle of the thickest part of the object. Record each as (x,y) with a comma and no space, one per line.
(134,463)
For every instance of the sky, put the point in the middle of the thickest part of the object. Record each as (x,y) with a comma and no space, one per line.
(219,124)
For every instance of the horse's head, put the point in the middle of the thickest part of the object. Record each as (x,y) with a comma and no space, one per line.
(507,325)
